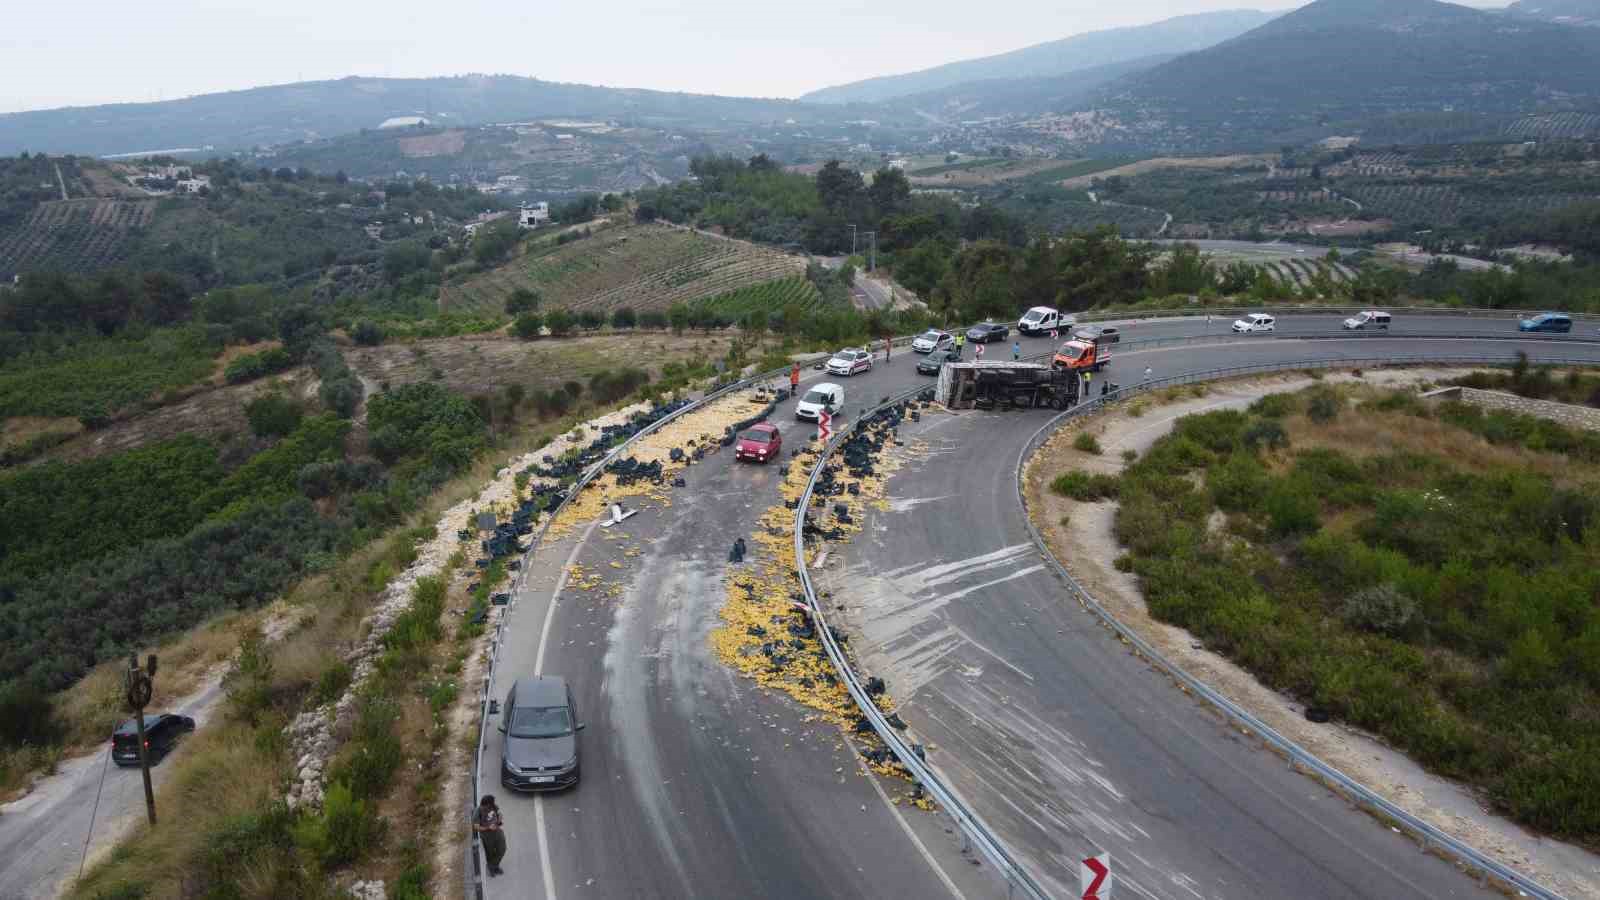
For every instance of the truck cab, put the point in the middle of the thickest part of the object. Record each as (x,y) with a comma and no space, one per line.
(1082,356)
(1043,320)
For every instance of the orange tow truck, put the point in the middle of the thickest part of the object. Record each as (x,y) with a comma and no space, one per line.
(1082,356)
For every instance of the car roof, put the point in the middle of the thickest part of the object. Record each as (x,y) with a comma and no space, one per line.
(762,426)
(826,386)
(129,726)
(541,690)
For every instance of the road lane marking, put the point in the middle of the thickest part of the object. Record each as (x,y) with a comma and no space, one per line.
(538,669)
(872,779)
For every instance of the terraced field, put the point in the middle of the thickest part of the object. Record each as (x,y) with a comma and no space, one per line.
(1446,205)
(74,235)
(638,266)
(1301,272)
(774,296)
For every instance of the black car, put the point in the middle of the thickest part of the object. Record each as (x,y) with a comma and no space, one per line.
(988,331)
(933,362)
(161,734)
(540,724)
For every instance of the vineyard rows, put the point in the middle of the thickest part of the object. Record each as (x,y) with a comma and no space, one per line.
(1442,205)
(1322,196)
(74,235)
(771,297)
(1555,126)
(1300,272)
(640,266)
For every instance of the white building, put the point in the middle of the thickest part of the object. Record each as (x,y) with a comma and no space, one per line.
(532,215)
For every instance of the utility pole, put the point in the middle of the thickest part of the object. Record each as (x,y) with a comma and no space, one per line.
(139,691)
(872,255)
(852,239)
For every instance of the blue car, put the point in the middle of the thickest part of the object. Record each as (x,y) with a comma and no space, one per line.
(1556,322)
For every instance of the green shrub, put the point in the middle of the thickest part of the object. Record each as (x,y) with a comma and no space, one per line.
(527,326)
(374,753)
(522,300)
(1085,486)
(250,366)
(1123,563)
(1291,509)
(1266,433)
(1380,608)
(1275,406)
(1087,442)
(272,415)
(591,319)
(125,890)
(343,832)
(247,684)
(1323,406)
(560,322)
(331,683)
(367,333)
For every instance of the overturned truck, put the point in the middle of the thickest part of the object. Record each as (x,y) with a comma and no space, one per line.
(1001,385)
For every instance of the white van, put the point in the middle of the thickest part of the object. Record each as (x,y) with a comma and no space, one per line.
(1043,320)
(826,395)
(1369,319)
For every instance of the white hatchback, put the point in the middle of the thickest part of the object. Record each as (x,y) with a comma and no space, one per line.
(1254,323)
(826,395)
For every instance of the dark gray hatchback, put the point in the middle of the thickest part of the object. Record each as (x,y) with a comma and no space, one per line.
(540,724)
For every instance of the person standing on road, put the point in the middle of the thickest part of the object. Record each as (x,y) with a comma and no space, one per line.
(961,342)
(888,349)
(1147,374)
(1016,350)
(794,380)
(491,831)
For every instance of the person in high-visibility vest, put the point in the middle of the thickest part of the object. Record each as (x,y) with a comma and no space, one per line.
(794,381)
(961,341)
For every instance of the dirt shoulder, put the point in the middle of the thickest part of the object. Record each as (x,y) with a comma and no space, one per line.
(1087,546)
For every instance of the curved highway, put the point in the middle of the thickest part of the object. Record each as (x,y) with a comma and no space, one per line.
(698,783)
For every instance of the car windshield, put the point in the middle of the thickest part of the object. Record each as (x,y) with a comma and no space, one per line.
(760,437)
(1033,316)
(930,335)
(817,397)
(540,722)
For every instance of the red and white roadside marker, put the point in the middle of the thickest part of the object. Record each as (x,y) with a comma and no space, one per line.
(1054,334)
(824,419)
(1094,877)
(978,350)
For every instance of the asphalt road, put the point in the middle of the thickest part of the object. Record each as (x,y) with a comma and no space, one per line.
(1062,740)
(696,782)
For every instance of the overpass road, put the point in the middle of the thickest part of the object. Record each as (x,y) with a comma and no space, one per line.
(698,783)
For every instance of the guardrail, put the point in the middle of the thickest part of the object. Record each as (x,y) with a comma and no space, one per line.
(479,862)
(1225,311)
(1432,838)
(972,827)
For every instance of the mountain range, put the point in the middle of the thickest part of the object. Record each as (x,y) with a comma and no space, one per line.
(1082,52)
(309,110)
(1391,70)
(1338,66)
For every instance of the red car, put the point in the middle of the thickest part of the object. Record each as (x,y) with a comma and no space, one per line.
(759,442)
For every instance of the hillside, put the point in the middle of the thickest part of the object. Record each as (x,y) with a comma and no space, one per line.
(643,267)
(1566,12)
(318,109)
(1339,67)
(1055,58)
(1021,96)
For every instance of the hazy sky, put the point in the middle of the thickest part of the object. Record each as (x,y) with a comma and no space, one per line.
(95,51)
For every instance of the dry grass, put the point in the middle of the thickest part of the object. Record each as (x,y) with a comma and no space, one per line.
(225,773)
(1150,165)
(19,430)
(1367,432)
(991,174)
(234,351)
